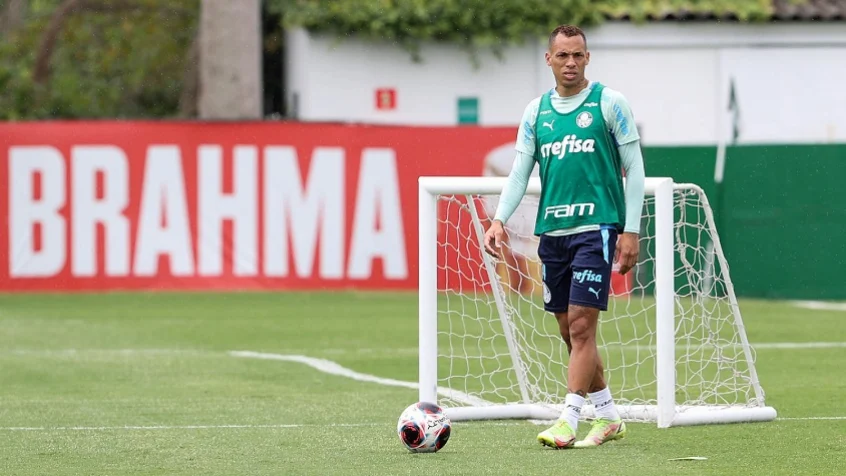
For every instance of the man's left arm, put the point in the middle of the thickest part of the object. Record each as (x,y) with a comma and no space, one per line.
(632,160)
(621,121)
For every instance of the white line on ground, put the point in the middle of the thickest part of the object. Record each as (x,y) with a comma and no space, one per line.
(291,425)
(799,345)
(638,347)
(382,351)
(734,345)
(334,368)
(183,427)
(413,351)
(326,366)
(297,425)
(820,305)
(127,352)
(700,346)
(813,418)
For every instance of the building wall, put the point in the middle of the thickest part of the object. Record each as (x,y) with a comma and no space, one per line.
(788,80)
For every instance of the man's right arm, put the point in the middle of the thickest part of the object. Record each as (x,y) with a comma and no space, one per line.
(515,186)
(524,163)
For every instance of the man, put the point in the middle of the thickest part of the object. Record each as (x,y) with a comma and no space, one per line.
(580,134)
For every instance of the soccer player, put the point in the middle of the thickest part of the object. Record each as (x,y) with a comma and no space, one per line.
(581,134)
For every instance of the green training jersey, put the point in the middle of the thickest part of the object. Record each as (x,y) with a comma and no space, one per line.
(580,170)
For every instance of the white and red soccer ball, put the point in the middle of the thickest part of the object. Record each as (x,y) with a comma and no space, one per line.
(424,428)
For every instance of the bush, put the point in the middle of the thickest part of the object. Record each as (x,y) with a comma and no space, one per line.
(487,23)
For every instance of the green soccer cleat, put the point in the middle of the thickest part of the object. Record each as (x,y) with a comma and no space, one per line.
(602,431)
(559,435)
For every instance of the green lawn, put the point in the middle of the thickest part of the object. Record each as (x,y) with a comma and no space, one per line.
(144,383)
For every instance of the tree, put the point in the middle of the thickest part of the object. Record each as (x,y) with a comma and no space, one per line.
(97,58)
(230,60)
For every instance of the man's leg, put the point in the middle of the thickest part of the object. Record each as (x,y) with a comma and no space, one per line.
(598,382)
(598,379)
(585,379)
(575,400)
(556,274)
(588,297)
(580,325)
(584,356)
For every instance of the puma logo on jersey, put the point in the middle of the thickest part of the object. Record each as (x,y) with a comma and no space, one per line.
(591,104)
(595,292)
(569,144)
(549,124)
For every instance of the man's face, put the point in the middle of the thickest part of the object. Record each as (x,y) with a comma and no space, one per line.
(568,56)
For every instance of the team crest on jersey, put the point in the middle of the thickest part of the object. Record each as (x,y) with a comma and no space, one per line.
(584,119)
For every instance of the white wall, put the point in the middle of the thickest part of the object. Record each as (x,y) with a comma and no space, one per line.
(336,81)
(789,79)
(790,94)
(672,92)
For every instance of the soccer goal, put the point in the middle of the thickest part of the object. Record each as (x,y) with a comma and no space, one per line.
(672,341)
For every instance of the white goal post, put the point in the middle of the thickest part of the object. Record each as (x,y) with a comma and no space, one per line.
(673,342)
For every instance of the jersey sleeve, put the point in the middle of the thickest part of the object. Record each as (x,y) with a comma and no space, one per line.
(632,159)
(526,130)
(515,186)
(619,117)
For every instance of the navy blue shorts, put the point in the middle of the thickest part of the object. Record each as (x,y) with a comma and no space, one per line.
(577,269)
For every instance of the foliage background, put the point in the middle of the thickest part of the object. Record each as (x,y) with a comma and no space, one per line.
(491,23)
(132,58)
(112,59)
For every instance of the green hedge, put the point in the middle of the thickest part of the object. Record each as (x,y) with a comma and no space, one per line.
(487,23)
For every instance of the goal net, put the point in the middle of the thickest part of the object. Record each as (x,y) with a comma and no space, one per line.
(672,341)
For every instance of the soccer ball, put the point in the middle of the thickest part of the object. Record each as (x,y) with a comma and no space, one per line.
(423,428)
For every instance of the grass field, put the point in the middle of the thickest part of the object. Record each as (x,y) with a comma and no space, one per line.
(126,384)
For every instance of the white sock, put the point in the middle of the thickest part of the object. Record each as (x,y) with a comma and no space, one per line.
(603,404)
(572,410)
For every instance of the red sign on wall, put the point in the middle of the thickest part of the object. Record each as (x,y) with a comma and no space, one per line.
(386,99)
(238,206)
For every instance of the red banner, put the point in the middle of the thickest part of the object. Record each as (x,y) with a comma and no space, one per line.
(135,205)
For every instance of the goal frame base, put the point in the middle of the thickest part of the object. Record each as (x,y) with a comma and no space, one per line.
(682,416)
